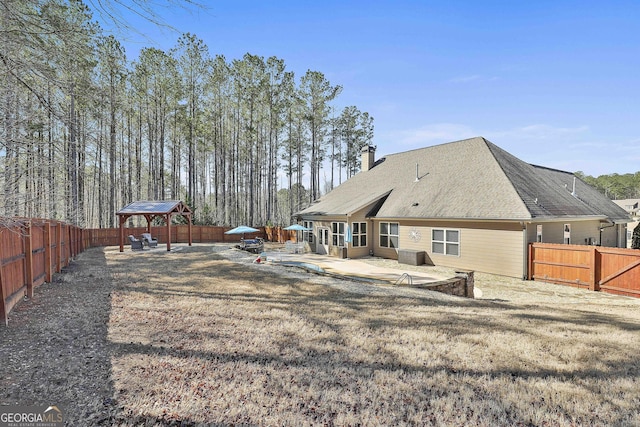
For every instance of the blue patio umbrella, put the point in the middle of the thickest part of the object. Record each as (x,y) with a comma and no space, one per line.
(297,227)
(242,229)
(348,236)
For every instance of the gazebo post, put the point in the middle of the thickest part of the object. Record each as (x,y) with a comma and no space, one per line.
(168,221)
(123,218)
(149,221)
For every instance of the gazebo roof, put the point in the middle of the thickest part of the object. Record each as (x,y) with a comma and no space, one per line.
(154,207)
(151,209)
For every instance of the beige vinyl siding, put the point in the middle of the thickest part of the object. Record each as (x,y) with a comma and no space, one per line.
(489,247)
(553,232)
(489,251)
(611,236)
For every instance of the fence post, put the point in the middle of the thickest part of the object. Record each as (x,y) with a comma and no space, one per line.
(597,261)
(530,262)
(28,258)
(3,293)
(72,242)
(593,285)
(47,251)
(59,248)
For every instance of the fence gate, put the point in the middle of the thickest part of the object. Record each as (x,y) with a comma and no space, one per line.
(612,270)
(619,271)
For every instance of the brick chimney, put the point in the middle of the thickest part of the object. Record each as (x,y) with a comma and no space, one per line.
(368,155)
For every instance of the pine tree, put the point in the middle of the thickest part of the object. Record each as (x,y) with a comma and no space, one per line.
(635,239)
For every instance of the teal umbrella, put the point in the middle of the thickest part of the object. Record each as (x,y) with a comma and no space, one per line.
(242,229)
(297,227)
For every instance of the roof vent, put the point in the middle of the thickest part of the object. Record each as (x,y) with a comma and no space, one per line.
(573,190)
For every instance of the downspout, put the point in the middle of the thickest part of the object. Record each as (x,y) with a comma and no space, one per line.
(613,224)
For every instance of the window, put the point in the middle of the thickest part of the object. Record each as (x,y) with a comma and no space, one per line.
(389,234)
(359,234)
(307,236)
(539,233)
(445,241)
(337,230)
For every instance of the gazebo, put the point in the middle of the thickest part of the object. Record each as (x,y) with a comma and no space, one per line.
(152,209)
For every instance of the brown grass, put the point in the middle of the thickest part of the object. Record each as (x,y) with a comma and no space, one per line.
(200,339)
(195,339)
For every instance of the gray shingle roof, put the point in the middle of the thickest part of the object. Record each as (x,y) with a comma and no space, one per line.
(150,207)
(468,179)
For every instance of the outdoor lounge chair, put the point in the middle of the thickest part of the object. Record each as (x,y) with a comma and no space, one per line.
(135,243)
(149,241)
(252,245)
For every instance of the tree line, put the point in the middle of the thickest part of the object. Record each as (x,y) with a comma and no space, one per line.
(615,186)
(84,131)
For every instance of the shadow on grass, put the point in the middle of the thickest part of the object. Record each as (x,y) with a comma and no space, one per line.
(343,352)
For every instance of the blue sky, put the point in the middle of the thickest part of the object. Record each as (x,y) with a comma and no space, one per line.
(555,83)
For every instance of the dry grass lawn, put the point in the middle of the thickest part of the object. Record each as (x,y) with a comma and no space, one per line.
(201,339)
(196,339)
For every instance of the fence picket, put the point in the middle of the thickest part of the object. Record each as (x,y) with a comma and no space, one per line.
(584,266)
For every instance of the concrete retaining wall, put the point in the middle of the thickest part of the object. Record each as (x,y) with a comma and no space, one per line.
(461,285)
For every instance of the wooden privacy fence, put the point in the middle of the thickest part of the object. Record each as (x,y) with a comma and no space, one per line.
(31,251)
(597,268)
(180,234)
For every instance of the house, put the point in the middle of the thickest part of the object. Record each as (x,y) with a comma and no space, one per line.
(466,204)
(632,206)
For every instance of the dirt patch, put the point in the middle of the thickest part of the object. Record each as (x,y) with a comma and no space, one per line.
(201,336)
(55,350)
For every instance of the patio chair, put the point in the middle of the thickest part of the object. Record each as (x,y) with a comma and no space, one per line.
(135,243)
(294,247)
(149,241)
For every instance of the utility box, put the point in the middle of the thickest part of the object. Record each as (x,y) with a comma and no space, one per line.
(411,257)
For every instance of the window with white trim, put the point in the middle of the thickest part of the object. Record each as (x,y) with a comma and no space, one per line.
(389,232)
(337,233)
(307,236)
(445,241)
(358,234)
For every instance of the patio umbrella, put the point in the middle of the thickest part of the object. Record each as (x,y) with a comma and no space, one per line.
(242,229)
(296,228)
